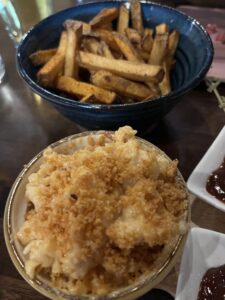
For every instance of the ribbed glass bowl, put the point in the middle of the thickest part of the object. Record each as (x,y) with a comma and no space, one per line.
(14,218)
(193,59)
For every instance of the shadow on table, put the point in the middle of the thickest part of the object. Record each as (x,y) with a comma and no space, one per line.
(156,294)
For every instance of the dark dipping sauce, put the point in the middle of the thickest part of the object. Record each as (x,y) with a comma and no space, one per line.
(216,183)
(212,286)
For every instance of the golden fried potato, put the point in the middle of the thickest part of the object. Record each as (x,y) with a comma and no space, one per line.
(82,89)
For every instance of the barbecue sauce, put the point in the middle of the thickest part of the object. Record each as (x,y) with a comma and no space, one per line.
(212,286)
(216,183)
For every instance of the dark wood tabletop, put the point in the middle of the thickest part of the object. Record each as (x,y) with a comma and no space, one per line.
(28,124)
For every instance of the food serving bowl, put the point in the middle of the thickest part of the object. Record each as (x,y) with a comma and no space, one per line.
(193,59)
(210,162)
(204,249)
(14,218)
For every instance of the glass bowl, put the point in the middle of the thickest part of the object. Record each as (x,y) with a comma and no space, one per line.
(14,218)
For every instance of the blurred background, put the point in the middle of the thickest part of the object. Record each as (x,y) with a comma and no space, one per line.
(33,10)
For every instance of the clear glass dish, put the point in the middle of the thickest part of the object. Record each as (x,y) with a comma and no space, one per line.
(14,217)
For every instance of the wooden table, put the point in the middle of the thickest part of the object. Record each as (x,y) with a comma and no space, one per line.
(28,124)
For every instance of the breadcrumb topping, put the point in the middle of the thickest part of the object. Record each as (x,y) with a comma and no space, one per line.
(101,215)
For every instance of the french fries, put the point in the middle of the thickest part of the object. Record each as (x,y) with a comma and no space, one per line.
(91,45)
(86,28)
(136,16)
(123,20)
(49,72)
(94,63)
(41,57)
(159,49)
(162,28)
(107,37)
(105,51)
(105,16)
(121,85)
(133,36)
(82,89)
(164,85)
(173,42)
(73,42)
(127,48)
(130,70)
(87,99)
(147,41)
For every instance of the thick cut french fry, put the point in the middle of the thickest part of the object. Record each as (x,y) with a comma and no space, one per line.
(162,28)
(86,28)
(123,20)
(127,69)
(165,86)
(147,41)
(107,26)
(154,87)
(105,16)
(173,42)
(143,54)
(121,85)
(159,49)
(91,45)
(136,16)
(41,57)
(88,99)
(48,73)
(62,43)
(82,89)
(107,37)
(73,45)
(133,36)
(127,48)
(105,51)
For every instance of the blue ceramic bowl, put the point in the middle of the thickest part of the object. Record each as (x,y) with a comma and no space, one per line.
(194,56)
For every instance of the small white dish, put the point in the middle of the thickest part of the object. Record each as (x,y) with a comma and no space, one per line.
(210,162)
(204,249)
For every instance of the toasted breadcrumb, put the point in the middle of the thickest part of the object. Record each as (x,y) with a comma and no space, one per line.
(102,215)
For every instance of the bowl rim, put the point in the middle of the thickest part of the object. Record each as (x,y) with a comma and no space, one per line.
(57,99)
(53,293)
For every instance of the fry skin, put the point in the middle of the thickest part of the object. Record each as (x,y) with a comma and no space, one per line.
(173,42)
(48,73)
(123,19)
(143,54)
(82,89)
(159,49)
(73,45)
(133,36)
(126,69)
(41,57)
(105,16)
(107,37)
(165,86)
(147,41)
(88,99)
(127,48)
(162,28)
(62,43)
(91,45)
(105,51)
(136,16)
(86,28)
(121,85)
